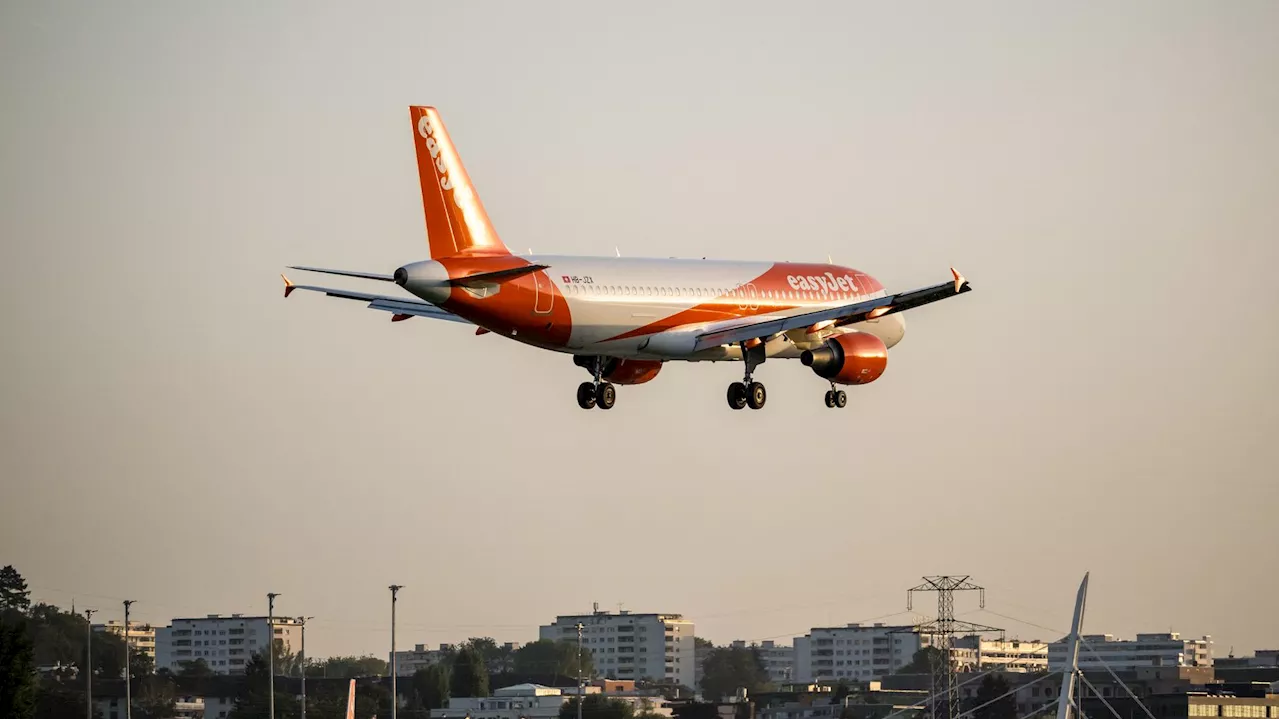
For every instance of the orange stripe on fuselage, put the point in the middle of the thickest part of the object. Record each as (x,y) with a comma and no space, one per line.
(514,309)
(771,292)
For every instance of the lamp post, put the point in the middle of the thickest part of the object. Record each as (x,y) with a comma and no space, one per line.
(128,690)
(394,699)
(303,622)
(580,670)
(88,662)
(271,653)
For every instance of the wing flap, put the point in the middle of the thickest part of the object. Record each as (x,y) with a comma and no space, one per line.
(844,314)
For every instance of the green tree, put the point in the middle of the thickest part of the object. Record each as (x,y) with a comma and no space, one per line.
(17,672)
(597,706)
(253,700)
(13,590)
(194,669)
(469,677)
(349,668)
(141,665)
(154,698)
(923,661)
(549,658)
(727,669)
(991,694)
(431,687)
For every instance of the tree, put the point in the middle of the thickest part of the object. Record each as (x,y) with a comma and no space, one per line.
(13,591)
(727,669)
(194,669)
(923,661)
(155,698)
(549,658)
(469,678)
(349,667)
(431,687)
(252,700)
(992,693)
(141,665)
(597,706)
(17,672)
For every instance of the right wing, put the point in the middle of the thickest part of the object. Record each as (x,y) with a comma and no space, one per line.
(399,307)
(767,326)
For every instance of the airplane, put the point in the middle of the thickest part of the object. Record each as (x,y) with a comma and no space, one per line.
(623,318)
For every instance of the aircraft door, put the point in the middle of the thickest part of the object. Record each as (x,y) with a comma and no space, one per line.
(544,296)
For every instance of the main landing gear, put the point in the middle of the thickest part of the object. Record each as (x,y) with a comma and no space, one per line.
(836,397)
(598,393)
(748,393)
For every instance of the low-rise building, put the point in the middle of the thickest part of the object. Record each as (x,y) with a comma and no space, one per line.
(972,653)
(535,701)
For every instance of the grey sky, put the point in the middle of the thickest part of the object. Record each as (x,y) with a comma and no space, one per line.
(176,433)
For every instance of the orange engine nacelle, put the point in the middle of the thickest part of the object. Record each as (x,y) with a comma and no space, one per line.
(852,358)
(621,371)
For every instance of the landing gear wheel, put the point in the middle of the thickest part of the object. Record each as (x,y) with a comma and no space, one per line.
(586,395)
(841,398)
(606,396)
(755,396)
(830,399)
(737,395)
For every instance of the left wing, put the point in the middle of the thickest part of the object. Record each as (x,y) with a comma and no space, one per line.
(399,307)
(761,327)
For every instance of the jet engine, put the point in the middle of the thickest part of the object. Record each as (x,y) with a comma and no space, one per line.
(851,358)
(621,371)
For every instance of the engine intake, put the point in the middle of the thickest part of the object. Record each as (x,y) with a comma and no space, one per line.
(851,358)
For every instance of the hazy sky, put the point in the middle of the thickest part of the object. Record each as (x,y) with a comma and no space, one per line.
(175,432)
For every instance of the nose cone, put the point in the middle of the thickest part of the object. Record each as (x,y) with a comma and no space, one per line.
(428,280)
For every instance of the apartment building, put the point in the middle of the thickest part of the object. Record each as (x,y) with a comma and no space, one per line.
(779,659)
(855,652)
(632,646)
(1146,650)
(141,637)
(224,643)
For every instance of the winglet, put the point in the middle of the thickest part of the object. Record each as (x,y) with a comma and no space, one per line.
(288,286)
(960,280)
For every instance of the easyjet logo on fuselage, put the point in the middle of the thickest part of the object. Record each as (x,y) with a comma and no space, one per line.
(819,283)
(427,131)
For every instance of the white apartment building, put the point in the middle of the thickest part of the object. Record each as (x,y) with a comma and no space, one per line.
(855,652)
(779,659)
(973,653)
(632,646)
(142,637)
(224,643)
(1146,650)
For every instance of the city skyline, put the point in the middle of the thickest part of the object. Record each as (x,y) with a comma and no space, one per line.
(175,432)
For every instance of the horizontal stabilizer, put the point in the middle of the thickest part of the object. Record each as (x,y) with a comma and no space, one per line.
(399,307)
(490,278)
(347,273)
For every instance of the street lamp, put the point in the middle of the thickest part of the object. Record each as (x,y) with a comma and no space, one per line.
(271,652)
(128,690)
(580,670)
(394,699)
(88,662)
(303,622)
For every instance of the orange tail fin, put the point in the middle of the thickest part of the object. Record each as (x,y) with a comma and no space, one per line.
(456,221)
